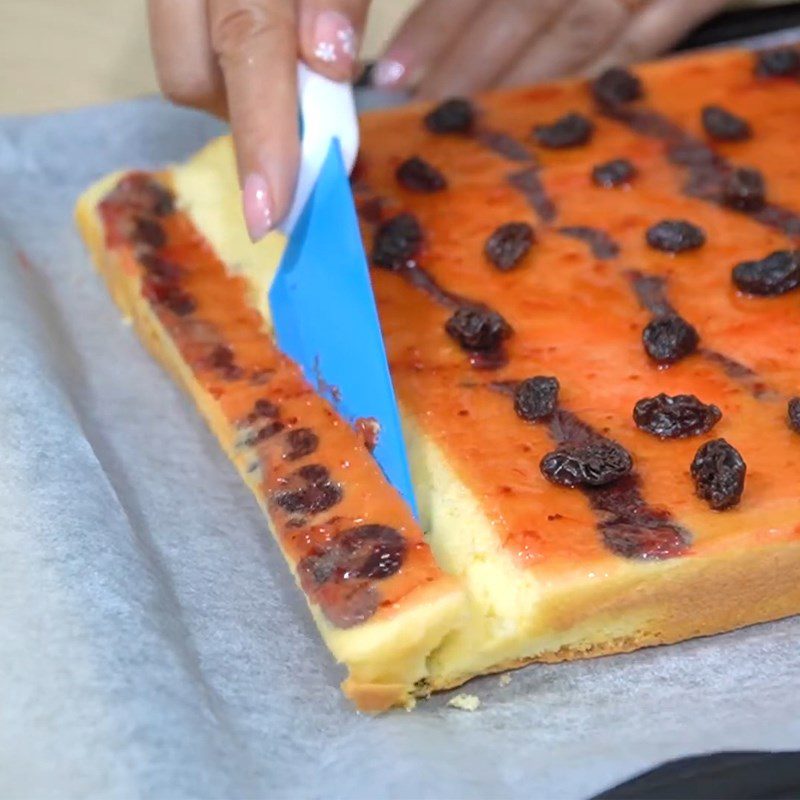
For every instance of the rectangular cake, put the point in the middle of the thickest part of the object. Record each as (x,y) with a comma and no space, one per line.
(589,298)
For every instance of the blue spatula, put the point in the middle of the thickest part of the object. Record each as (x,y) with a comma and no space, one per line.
(321,299)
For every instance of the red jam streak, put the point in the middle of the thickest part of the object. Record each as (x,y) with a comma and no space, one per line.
(651,291)
(630,527)
(529,184)
(504,145)
(602,246)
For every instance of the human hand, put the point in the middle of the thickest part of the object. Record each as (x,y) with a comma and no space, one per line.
(454,47)
(238,59)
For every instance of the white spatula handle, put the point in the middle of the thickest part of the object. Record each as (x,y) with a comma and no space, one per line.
(327,111)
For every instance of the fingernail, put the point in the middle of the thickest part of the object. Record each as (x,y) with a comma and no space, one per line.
(334,38)
(257,203)
(388,73)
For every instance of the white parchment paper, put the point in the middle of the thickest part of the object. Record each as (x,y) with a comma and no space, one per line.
(151,641)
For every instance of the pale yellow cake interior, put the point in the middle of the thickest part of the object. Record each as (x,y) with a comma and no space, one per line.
(515,614)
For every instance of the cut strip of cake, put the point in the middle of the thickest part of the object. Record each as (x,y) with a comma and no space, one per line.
(379,599)
(566,269)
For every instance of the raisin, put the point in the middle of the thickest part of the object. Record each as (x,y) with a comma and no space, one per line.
(221,360)
(418,175)
(311,500)
(675,236)
(336,576)
(617,172)
(260,376)
(617,86)
(669,338)
(477,328)
(744,190)
(594,464)
(724,126)
(347,605)
(536,398)
(265,433)
(315,491)
(509,244)
(148,232)
(302,442)
(793,414)
(139,190)
(397,242)
(571,130)
(180,302)
(370,551)
(718,471)
(452,116)
(776,274)
(780,62)
(220,357)
(264,408)
(314,473)
(168,295)
(675,417)
(159,268)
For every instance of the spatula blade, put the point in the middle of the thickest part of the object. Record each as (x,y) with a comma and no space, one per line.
(325,317)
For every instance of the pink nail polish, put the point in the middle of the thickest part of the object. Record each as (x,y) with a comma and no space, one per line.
(388,73)
(334,38)
(257,203)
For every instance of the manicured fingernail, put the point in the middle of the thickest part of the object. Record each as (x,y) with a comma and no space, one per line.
(388,73)
(258,208)
(334,38)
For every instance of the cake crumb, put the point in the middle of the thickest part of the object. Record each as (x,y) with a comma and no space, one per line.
(464,702)
(505,679)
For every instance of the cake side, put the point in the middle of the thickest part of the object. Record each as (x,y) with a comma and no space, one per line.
(386,651)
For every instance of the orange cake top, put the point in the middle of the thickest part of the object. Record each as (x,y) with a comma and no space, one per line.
(589,234)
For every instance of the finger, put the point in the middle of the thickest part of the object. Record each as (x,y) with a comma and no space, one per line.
(427,32)
(577,37)
(654,29)
(330,34)
(185,65)
(256,44)
(493,39)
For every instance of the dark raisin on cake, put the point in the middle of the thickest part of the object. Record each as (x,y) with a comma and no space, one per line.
(674,417)
(675,236)
(719,470)
(669,338)
(776,274)
(509,244)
